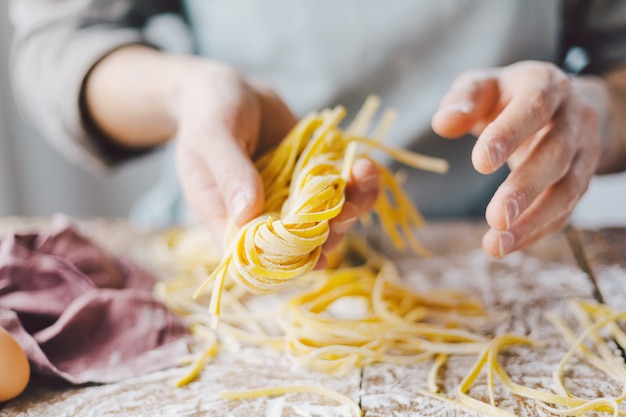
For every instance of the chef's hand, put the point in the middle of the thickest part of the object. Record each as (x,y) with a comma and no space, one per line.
(223,122)
(548,127)
(225,119)
(141,97)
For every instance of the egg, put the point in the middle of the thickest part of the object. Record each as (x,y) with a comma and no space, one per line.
(14,367)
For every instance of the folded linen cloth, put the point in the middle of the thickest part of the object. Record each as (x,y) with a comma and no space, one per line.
(80,313)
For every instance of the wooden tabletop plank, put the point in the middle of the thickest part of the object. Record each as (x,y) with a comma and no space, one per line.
(524,285)
(603,253)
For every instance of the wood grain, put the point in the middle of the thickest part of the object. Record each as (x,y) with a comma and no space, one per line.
(604,255)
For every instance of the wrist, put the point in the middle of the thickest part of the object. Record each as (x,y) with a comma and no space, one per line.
(595,94)
(193,82)
(615,82)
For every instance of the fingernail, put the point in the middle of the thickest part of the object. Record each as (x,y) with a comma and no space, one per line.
(463,107)
(343,226)
(239,204)
(368,183)
(511,207)
(506,241)
(494,152)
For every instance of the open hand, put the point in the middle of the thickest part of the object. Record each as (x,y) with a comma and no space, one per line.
(547,126)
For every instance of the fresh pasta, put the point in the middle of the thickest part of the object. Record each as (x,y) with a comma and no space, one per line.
(304,180)
(394,324)
(418,326)
(592,318)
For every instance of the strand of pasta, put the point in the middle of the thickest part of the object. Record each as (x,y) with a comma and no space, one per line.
(304,179)
(210,351)
(431,379)
(352,406)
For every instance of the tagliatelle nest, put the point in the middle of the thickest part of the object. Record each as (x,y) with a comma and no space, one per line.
(304,180)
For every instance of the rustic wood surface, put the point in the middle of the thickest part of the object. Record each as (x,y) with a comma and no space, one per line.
(524,286)
(603,254)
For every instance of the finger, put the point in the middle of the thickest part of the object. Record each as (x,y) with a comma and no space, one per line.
(201,194)
(237,179)
(228,162)
(340,225)
(537,96)
(362,188)
(361,192)
(545,164)
(322,263)
(470,99)
(549,213)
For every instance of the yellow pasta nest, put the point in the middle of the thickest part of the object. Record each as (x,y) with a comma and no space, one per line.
(304,180)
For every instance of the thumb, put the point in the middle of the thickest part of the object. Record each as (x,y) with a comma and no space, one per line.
(237,179)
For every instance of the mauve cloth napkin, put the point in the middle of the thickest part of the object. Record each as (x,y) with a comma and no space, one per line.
(80,313)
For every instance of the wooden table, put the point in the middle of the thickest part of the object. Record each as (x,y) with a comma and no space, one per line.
(576,264)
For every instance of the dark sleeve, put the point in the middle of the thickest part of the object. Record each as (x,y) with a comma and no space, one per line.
(597,27)
(56,43)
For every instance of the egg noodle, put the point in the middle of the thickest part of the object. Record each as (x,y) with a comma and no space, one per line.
(395,325)
(388,322)
(598,352)
(304,179)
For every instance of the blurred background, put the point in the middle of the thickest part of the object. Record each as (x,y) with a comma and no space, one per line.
(36,181)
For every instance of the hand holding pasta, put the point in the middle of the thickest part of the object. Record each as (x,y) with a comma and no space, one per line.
(141,98)
(305,179)
(225,120)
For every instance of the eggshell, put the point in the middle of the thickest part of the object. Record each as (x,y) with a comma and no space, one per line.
(14,367)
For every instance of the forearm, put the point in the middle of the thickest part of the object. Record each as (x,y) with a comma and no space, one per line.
(130,95)
(55,45)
